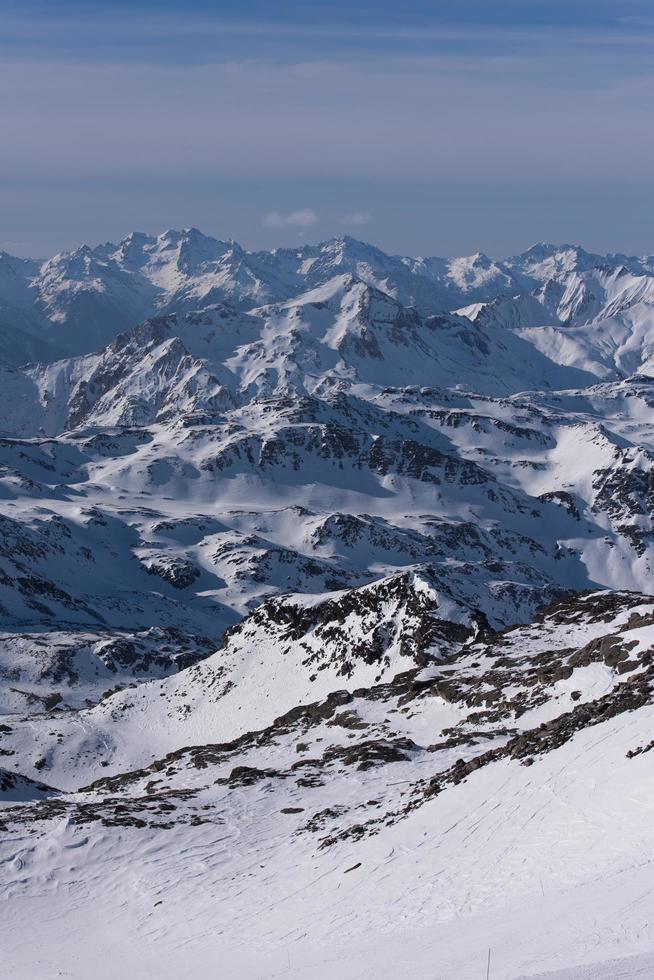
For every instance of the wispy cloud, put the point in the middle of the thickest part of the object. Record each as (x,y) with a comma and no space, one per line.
(355,219)
(302,218)
(409,118)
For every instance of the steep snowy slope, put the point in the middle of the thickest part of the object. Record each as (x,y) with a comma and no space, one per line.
(78,301)
(462,805)
(21,337)
(288,652)
(76,668)
(284,463)
(513,312)
(344,330)
(85,300)
(592,312)
(279,693)
(375,340)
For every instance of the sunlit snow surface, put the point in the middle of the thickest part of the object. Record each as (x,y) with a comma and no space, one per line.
(276,697)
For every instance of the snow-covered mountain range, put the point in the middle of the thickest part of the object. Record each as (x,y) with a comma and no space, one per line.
(77,301)
(326,578)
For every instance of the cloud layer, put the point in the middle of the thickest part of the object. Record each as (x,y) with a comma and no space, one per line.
(443,135)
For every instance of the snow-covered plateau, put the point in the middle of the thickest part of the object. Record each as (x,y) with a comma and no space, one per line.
(326,613)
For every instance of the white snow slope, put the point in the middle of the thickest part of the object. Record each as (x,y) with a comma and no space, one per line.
(326,613)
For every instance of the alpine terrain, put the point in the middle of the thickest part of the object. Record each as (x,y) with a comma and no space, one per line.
(326,613)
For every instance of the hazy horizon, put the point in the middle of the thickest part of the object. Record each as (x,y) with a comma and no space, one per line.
(465,128)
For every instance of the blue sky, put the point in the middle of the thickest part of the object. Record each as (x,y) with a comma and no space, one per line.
(425,127)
